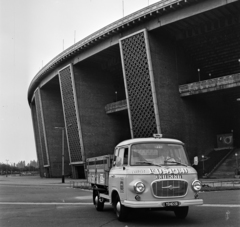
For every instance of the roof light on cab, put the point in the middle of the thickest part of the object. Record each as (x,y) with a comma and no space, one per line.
(157,136)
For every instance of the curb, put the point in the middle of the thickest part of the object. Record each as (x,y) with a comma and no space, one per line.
(220,184)
(207,188)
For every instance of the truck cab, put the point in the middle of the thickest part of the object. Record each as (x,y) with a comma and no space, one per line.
(146,173)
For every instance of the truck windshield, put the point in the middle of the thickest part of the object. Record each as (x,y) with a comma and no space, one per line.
(158,154)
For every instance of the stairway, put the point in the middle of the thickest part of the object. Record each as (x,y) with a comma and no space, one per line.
(227,167)
(220,163)
(212,161)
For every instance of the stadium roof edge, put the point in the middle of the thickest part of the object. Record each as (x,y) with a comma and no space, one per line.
(158,8)
(102,33)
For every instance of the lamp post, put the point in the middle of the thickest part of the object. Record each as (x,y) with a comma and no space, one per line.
(236,155)
(116,95)
(203,163)
(198,74)
(62,128)
(237,172)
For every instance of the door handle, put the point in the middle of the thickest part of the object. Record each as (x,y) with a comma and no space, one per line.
(113,176)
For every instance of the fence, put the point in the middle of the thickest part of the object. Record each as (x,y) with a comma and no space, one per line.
(221,184)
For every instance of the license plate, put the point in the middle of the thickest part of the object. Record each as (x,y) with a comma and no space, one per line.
(171,204)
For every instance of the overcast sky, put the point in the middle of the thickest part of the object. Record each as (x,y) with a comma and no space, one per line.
(33,32)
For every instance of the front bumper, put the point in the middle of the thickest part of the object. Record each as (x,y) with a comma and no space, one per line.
(159,204)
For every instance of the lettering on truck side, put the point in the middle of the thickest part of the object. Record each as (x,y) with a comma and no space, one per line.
(169,171)
(161,171)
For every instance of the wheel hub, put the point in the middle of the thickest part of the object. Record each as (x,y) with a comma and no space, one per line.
(96,199)
(118,206)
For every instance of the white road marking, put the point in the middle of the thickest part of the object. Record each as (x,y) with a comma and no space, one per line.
(220,205)
(84,197)
(32,203)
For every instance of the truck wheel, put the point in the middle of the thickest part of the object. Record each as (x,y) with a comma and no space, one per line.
(181,212)
(98,201)
(120,210)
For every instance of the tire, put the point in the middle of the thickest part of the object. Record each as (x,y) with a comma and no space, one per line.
(181,212)
(120,210)
(97,201)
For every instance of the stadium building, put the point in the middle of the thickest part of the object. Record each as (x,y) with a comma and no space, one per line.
(171,68)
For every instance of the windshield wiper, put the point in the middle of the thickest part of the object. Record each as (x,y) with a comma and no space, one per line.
(149,163)
(167,161)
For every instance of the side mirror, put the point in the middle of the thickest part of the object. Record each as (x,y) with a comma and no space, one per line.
(118,161)
(195,161)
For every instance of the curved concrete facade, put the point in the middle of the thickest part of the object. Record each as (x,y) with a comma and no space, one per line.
(171,68)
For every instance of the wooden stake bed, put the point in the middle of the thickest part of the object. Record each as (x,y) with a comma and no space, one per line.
(98,169)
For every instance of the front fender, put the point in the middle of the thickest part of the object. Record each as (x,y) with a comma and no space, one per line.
(114,191)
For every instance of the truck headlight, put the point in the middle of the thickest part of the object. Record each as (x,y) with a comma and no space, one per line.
(196,185)
(139,187)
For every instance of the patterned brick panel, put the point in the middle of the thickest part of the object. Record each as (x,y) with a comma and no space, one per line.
(70,110)
(41,128)
(139,86)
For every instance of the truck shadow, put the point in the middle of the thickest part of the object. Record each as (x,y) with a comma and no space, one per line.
(146,217)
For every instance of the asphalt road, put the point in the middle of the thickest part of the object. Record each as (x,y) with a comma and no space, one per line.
(23,204)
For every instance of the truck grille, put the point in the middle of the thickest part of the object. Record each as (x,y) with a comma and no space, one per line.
(169,188)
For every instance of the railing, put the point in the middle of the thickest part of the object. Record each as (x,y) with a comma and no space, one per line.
(116,106)
(221,184)
(217,160)
(212,84)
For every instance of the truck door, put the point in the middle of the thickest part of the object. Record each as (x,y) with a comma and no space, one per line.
(117,176)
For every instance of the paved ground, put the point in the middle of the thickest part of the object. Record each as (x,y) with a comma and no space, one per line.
(33,201)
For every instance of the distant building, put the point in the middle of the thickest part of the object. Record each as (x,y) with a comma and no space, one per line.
(34,163)
(20,164)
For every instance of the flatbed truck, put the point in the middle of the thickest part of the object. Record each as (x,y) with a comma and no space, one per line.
(152,173)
